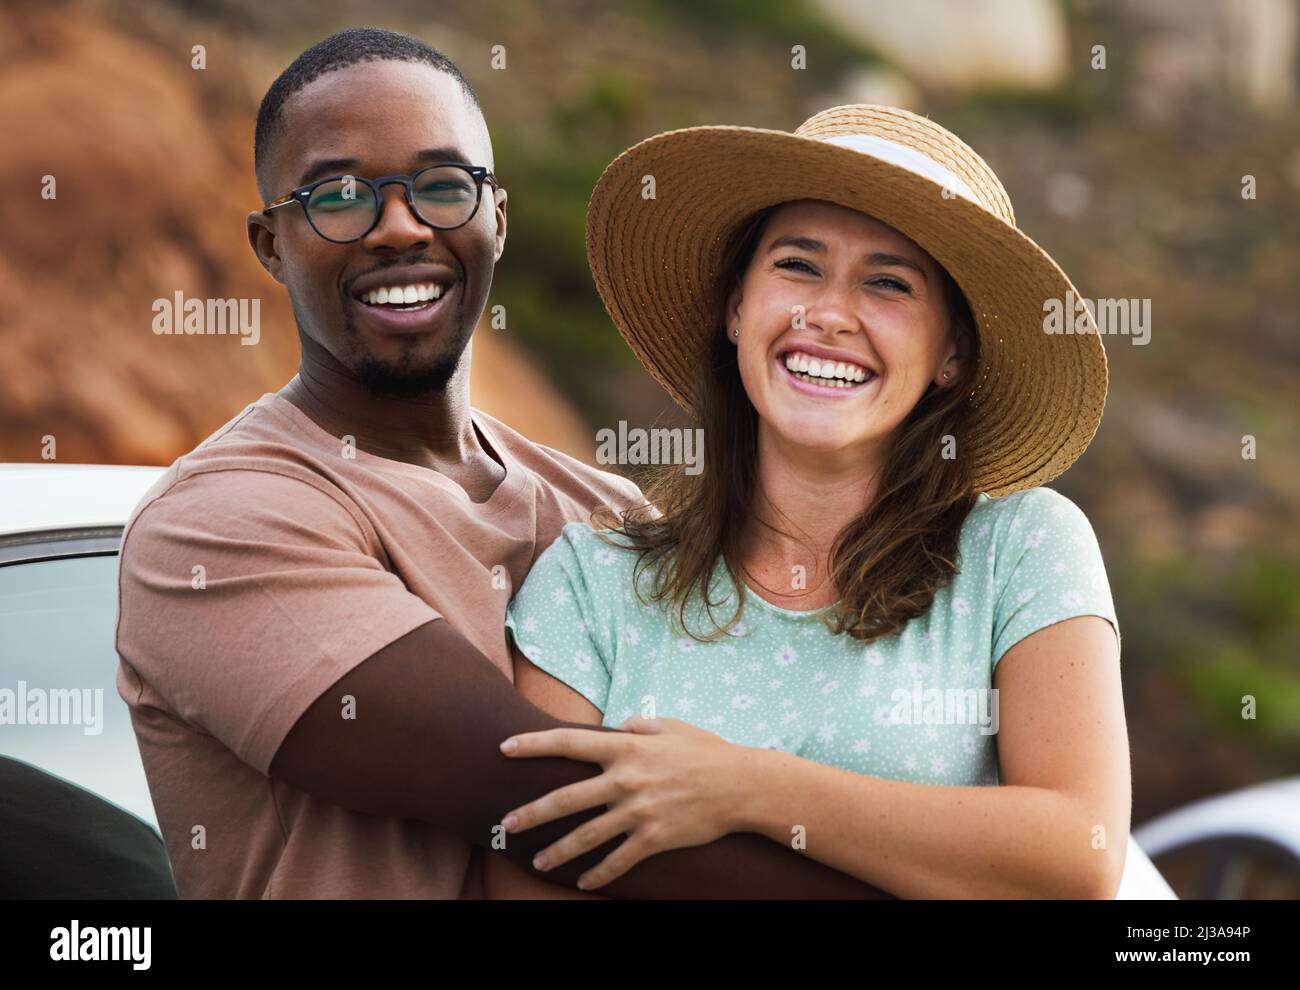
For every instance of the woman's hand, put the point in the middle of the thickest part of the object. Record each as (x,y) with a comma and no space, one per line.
(666,784)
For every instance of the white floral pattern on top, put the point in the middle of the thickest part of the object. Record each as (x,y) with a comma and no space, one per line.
(913,706)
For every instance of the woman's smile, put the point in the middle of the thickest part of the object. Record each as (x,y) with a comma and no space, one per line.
(823,379)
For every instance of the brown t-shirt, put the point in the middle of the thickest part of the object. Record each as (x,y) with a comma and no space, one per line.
(262,567)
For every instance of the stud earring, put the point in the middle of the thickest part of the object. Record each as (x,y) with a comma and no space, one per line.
(946,376)
(735,333)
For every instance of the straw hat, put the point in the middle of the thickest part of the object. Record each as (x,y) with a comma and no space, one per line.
(1038,396)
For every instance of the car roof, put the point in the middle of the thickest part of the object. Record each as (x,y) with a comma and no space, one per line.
(1268,811)
(43,497)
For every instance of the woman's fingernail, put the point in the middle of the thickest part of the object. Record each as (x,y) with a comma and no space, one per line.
(539,861)
(510,822)
(510,745)
(583,883)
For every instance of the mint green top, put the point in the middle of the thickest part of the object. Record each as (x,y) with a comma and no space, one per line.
(914,706)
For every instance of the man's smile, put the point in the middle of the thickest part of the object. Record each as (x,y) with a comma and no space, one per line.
(404,300)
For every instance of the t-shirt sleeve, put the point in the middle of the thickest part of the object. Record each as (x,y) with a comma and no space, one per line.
(1048,568)
(563,617)
(244,594)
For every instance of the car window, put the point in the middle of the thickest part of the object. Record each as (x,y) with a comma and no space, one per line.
(59,706)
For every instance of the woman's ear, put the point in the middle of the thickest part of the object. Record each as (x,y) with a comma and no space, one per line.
(731,317)
(955,359)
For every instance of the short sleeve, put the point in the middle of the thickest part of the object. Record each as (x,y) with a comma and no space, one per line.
(563,617)
(1048,568)
(244,594)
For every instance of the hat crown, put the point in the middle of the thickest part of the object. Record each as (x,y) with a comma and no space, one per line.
(921,135)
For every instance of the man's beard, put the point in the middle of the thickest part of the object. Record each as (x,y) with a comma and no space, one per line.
(404,378)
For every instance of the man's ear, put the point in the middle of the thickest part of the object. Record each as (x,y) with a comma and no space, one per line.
(261,238)
(499,195)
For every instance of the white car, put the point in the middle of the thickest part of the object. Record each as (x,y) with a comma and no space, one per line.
(60,526)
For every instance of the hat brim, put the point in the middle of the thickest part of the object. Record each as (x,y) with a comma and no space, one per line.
(1038,397)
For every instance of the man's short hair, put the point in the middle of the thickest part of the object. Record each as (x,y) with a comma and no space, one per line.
(339,51)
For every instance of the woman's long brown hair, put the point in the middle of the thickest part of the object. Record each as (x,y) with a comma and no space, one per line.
(887,563)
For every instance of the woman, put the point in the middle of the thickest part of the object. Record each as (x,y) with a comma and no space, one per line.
(865,611)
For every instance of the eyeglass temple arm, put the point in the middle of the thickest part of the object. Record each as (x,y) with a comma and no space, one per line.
(286,198)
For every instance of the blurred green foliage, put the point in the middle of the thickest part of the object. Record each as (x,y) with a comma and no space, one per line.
(765,22)
(1227,672)
(1264,591)
(1220,637)
(1065,107)
(543,280)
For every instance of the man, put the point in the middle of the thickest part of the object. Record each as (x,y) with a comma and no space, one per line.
(312,601)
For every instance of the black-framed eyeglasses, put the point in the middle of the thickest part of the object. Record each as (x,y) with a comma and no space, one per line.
(346,208)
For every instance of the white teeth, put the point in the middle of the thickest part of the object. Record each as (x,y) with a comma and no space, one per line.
(402,295)
(837,374)
(824,382)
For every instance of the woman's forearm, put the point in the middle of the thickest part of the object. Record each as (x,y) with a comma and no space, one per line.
(928,841)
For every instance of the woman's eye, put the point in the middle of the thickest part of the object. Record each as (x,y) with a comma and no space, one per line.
(792,262)
(892,283)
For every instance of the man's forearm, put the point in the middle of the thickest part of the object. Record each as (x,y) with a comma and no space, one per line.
(738,866)
(431,713)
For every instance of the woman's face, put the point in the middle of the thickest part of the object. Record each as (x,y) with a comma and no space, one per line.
(836,287)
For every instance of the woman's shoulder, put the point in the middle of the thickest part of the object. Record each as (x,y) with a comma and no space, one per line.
(1032,514)
(1040,502)
(578,563)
